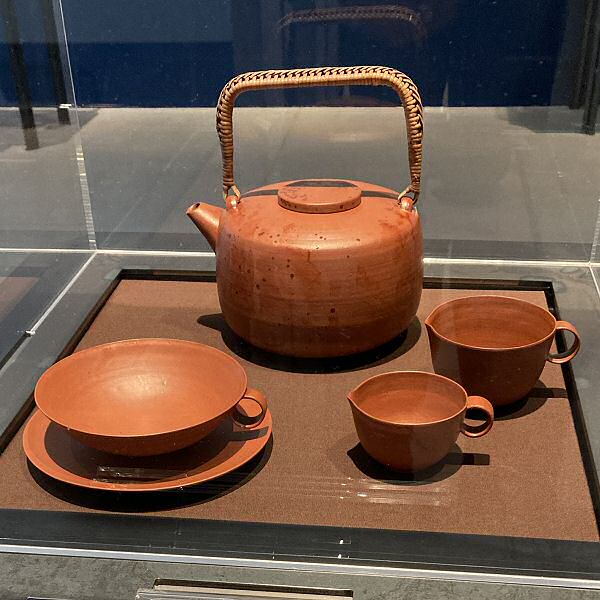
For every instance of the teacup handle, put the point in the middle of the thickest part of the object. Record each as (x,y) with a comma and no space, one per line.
(558,358)
(479,430)
(260,399)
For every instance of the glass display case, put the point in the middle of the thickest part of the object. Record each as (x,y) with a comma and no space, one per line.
(310,293)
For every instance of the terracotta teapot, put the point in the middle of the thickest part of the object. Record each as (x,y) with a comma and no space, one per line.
(313,267)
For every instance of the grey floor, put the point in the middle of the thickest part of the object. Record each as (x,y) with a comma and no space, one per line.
(498,182)
(93,579)
(29,284)
(40,191)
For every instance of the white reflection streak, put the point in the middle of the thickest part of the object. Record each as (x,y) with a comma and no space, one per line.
(367,491)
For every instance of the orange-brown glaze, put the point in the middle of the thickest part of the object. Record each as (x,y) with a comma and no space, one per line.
(494,346)
(409,420)
(318,284)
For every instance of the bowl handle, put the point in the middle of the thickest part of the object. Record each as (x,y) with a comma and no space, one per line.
(243,420)
(479,430)
(559,358)
(321,76)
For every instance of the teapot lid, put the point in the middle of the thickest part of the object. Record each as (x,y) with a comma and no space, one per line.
(319,196)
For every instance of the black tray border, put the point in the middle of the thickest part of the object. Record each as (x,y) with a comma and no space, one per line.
(302,543)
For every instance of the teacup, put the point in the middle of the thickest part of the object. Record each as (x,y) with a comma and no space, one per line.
(495,346)
(410,420)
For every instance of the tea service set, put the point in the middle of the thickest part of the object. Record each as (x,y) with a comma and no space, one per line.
(308,268)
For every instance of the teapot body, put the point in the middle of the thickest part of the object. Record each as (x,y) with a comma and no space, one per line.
(319,284)
(317,268)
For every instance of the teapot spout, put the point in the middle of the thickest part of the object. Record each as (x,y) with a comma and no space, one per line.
(206,218)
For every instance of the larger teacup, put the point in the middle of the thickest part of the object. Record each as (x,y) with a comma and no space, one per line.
(409,420)
(495,346)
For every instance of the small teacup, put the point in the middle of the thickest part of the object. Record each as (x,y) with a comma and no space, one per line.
(410,420)
(495,346)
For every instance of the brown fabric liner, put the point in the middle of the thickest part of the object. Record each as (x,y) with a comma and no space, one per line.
(525,478)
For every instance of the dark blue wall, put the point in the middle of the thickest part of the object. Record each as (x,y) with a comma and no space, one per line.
(29,21)
(180,53)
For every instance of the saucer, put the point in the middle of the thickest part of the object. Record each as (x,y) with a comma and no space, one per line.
(59,455)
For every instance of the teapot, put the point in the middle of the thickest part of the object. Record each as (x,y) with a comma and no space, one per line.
(317,267)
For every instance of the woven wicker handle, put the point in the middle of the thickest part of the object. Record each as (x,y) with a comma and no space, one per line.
(324,76)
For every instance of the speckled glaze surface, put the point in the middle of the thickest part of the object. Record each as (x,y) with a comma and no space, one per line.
(409,420)
(318,283)
(495,346)
(148,396)
(317,268)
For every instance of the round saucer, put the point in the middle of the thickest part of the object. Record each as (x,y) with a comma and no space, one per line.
(59,455)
